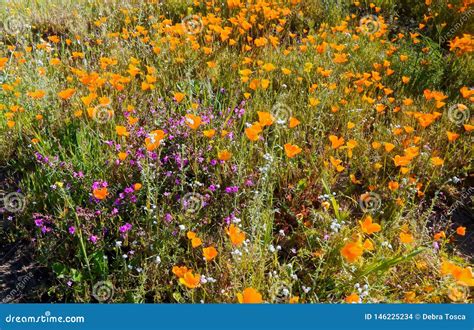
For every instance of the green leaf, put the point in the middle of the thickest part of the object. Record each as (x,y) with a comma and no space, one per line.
(59,269)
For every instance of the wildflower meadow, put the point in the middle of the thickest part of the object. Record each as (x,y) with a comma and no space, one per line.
(236,151)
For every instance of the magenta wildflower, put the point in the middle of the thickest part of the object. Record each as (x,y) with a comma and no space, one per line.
(125,228)
(232,189)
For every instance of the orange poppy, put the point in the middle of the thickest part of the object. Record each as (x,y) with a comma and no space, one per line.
(67,93)
(196,242)
(100,193)
(268,67)
(369,227)
(406,238)
(236,235)
(340,58)
(462,275)
(209,133)
(265,118)
(461,231)
(179,270)
(104,101)
(313,101)
(336,163)
(352,251)
(439,235)
(294,300)
(122,155)
(388,146)
(393,185)
(368,245)
(436,161)
(137,186)
(293,122)
(249,296)
(190,280)
(3,61)
(193,121)
(121,131)
(224,155)
(153,141)
(335,141)
(38,94)
(353,299)
(209,253)
(179,97)
(468,127)
(253,132)
(452,136)
(401,160)
(291,150)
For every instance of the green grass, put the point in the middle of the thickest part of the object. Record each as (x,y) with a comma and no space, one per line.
(276,193)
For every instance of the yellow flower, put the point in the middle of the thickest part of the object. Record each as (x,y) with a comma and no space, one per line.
(268,67)
(121,131)
(436,161)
